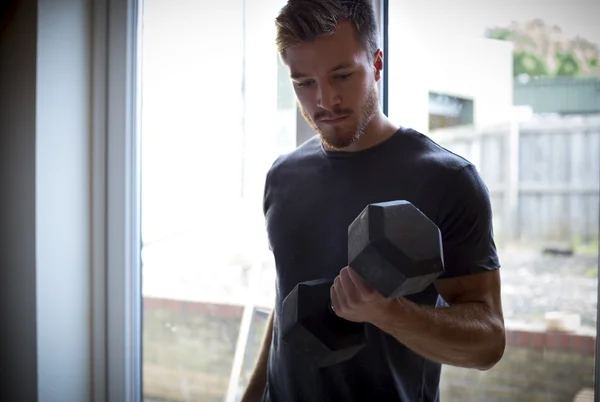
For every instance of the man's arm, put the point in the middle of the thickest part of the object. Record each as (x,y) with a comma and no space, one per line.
(469,333)
(258,380)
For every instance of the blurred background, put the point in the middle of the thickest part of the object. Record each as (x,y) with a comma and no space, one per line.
(513,87)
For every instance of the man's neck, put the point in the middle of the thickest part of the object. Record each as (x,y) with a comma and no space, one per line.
(378,130)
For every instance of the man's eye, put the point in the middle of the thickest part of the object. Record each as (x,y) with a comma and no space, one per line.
(304,83)
(345,76)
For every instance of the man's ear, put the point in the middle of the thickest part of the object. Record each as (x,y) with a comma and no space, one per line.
(378,63)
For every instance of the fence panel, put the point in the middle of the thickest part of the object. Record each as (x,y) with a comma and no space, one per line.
(543,176)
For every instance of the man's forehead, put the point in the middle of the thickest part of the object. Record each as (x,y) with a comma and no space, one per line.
(298,72)
(306,61)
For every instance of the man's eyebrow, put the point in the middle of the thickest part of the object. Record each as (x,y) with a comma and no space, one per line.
(296,76)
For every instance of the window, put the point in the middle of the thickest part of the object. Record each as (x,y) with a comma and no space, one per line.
(449,111)
(217,108)
(508,63)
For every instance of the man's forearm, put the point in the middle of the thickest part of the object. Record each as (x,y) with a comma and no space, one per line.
(465,335)
(256,385)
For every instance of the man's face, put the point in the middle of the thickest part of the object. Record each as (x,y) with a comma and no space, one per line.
(335,85)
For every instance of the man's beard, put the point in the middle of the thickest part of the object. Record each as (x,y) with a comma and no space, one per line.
(337,137)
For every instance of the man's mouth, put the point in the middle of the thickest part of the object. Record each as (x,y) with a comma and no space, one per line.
(334,120)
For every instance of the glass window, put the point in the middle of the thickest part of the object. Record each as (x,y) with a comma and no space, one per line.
(530,76)
(216,111)
(449,111)
(507,87)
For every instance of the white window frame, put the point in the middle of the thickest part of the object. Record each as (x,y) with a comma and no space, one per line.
(117,309)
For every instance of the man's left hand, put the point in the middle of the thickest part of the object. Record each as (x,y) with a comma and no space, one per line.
(354,299)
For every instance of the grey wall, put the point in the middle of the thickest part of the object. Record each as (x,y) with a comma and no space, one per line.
(18,348)
(45,124)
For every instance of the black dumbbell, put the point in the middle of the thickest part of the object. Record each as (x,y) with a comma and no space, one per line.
(395,248)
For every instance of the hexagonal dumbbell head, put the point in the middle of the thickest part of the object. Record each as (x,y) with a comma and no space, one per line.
(314,331)
(395,248)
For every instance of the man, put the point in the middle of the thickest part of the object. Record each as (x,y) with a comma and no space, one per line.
(313,193)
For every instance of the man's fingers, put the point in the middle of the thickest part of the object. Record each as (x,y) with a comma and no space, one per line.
(342,302)
(359,283)
(350,289)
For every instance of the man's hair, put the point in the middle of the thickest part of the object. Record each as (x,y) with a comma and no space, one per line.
(304,20)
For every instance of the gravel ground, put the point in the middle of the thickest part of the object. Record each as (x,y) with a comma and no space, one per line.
(534,283)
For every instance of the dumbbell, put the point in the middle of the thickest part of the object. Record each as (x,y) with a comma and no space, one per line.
(395,248)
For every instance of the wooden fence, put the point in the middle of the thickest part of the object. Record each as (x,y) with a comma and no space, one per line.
(543,176)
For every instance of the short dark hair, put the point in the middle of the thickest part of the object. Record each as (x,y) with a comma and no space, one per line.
(304,20)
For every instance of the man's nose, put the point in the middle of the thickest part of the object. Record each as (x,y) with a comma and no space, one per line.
(328,97)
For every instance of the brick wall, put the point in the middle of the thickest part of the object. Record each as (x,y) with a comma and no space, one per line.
(537,366)
(189,349)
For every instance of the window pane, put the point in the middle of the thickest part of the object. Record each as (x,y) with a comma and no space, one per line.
(513,87)
(216,111)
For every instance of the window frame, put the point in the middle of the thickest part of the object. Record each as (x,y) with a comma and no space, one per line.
(116,260)
(597,356)
(384,6)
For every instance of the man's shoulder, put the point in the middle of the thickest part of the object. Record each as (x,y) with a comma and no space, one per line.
(448,179)
(430,157)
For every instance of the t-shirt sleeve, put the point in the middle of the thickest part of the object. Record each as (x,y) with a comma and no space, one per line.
(465,222)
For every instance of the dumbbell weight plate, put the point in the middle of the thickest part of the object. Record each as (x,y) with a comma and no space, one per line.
(395,248)
(314,330)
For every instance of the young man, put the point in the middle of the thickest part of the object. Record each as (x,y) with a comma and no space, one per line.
(313,193)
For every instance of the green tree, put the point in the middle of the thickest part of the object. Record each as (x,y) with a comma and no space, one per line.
(501,34)
(528,63)
(567,65)
(537,46)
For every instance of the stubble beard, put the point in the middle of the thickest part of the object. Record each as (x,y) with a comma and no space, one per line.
(336,137)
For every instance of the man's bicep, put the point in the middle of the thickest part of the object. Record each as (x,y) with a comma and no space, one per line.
(483,288)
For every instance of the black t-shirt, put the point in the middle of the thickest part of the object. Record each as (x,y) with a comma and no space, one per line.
(311,196)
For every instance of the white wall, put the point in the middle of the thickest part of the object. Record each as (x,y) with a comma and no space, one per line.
(424,58)
(63,180)
(45,179)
